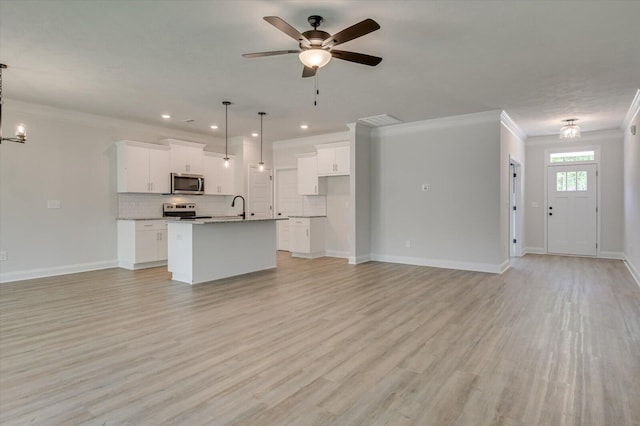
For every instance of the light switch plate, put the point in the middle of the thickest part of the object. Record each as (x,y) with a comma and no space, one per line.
(54,204)
(426,187)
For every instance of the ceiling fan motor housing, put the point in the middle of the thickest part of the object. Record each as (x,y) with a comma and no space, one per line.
(316,37)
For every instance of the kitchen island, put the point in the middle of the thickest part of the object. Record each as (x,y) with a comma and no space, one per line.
(211,249)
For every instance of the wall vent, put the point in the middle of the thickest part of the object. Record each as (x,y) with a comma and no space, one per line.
(379,120)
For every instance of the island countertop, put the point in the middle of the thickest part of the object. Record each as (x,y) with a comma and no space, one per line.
(228,220)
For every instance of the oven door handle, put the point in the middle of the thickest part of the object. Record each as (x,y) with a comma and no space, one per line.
(200,184)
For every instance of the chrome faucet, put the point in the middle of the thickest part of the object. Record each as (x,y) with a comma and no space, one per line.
(233,204)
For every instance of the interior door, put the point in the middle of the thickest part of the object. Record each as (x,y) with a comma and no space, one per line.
(260,204)
(571,209)
(288,202)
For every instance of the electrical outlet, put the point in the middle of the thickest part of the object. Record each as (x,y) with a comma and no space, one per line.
(3,255)
(426,187)
(407,243)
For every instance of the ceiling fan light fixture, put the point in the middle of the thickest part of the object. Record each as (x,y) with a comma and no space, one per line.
(315,57)
(570,130)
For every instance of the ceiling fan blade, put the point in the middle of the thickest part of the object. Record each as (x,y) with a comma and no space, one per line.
(309,72)
(358,30)
(272,53)
(359,58)
(280,24)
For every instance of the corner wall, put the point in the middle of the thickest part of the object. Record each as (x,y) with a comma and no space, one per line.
(631,147)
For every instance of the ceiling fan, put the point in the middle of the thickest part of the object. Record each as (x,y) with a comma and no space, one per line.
(316,47)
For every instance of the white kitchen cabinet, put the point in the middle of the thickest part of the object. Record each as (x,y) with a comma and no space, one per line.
(218,179)
(186,157)
(308,182)
(142,243)
(306,238)
(334,159)
(143,167)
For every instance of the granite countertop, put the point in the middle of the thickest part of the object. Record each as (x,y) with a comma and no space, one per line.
(308,215)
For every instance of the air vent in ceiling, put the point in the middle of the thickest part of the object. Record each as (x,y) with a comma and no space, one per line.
(188,120)
(379,120)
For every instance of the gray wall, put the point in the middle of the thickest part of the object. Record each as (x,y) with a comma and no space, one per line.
(71,157)
(632,197)
(610,194)
(457,223)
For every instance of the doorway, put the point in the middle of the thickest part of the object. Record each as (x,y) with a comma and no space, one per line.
(288,202)
(572,216)
(260,201)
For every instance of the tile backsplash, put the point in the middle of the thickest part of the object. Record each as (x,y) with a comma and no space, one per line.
(139,206)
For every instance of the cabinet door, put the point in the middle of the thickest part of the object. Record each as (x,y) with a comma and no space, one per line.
(137,169)
(307,176)
(342,160)
(326,161)
(159,174)
(227,178)
(178,156)
(163,246)
(146,246)
(211,171)
(195,160)
(299,236)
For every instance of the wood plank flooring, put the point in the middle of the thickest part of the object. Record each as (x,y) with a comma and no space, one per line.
(554,340)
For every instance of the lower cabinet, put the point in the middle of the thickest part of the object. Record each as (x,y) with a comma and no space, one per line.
(306,236)
(142,243)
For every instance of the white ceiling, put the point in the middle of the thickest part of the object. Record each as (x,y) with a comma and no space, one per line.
(541,61)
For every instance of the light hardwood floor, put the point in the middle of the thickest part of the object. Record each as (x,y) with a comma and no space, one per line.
(554,340)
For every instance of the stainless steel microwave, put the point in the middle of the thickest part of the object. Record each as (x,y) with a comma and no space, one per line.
(182,183)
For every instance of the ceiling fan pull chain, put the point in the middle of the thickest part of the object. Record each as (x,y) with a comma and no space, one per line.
(317,92)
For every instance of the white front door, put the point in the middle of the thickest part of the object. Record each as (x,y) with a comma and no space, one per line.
(260,204)
(571,209)
(288,202)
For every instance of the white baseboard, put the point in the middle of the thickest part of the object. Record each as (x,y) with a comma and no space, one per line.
(634,271)
(337,253)
(535,250)
(314,255)
(611,255)
(505,266)
(134,266)
(353,260)
(447,264)
(56,270)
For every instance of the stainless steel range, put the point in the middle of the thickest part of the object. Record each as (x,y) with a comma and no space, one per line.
(183,211)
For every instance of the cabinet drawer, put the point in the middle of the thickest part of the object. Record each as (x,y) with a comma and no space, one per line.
(299,221)
(151,225)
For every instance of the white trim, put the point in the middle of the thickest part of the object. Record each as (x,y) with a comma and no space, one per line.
(505,266)
(311,140)
(634,272)
(333,145)
(611,255)
(144,145)
(353,260)
(172,141)
(595,136)
(634,110)
(511,126)
(437,123)
(134,266)
(56,270)
(314,255)
(535,250)
(570,148)
(337,253)
(447,264)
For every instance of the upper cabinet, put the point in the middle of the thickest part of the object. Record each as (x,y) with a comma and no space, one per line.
(186,157)
(218,179)
(143,167)
(308,182)
(333,159)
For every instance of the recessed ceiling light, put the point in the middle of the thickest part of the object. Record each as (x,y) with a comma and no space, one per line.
(166,116)
(214,127)
(304,126)
(254,134)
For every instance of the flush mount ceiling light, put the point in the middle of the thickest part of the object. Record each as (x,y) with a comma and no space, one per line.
(21,131)
(261,163)
(570,130)
(226,132)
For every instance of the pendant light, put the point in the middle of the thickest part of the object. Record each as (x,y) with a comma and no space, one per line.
(570,130)
(261,163)
(226,133)
(21,131)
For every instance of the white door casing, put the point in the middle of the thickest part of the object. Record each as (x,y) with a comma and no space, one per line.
(572,209)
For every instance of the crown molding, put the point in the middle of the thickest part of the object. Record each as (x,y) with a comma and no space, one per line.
(587,137)
(312,140)
(512,126)
(437,123)
(632,113)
